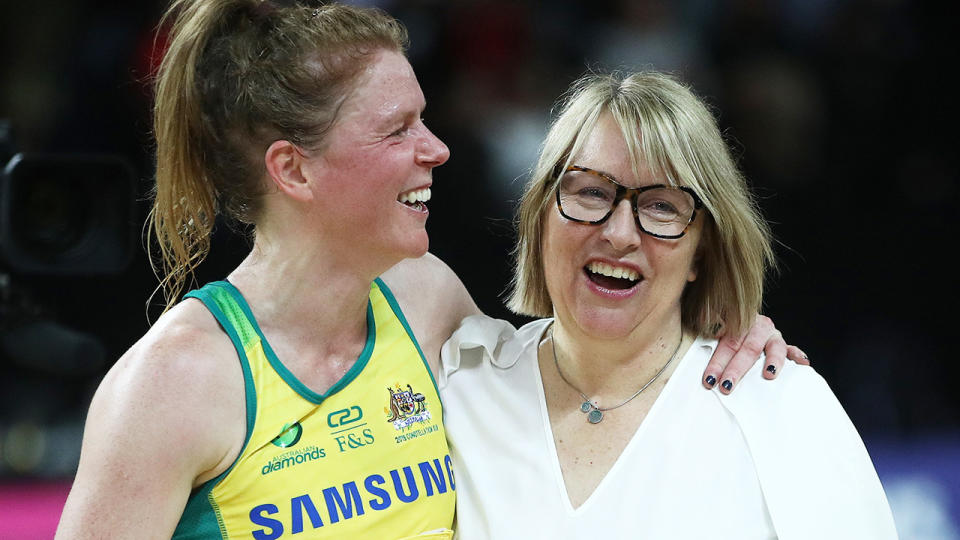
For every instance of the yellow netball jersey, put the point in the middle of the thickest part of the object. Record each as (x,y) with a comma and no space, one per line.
(368,459)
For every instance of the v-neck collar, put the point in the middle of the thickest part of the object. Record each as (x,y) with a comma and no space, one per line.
(554,458)
(281,369)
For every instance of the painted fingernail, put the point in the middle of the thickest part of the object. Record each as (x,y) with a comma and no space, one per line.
(772,368)
(711,380)
(727,385)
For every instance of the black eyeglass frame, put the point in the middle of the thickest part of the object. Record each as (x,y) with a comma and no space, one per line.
(624,192)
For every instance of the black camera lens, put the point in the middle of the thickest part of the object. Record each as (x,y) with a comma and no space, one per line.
(50,218)
(63,215)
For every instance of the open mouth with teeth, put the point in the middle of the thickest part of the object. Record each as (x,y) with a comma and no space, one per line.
(612,277)
(415,199)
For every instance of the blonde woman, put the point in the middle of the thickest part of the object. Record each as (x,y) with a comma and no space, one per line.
(639,243)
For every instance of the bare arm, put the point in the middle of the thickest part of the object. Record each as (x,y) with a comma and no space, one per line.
(735,355)
(167,417)
(433,299)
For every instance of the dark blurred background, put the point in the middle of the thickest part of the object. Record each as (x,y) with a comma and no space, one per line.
(840,113)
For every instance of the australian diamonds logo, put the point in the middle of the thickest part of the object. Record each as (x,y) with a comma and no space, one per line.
(289,435)
(406,408)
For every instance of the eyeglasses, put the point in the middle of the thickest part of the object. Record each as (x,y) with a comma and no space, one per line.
(588,196)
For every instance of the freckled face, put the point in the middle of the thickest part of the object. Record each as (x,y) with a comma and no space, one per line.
(378,152)
(598,306)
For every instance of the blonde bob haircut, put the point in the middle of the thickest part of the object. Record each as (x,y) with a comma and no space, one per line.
(669,131)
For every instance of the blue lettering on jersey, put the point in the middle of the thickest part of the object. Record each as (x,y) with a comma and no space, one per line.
(449,465)
(398,485)
(332,496)
(346,502)
(431,478)
(257,517)
(383,494)
(297,506)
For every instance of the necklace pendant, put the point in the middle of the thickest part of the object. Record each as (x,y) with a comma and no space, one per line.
(595,416)
(586,407)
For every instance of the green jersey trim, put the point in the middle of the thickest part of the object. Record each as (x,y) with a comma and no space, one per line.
(285,374)
(395,306)
(201,517)
(197,515)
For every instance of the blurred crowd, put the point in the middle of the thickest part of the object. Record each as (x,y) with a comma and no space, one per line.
(839,111)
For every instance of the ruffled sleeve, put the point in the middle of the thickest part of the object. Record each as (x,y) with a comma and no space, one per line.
(479,338)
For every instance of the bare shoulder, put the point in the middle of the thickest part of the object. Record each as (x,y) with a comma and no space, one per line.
(183,371)
(167,416)
(183,353)
(433,299)
(185,343)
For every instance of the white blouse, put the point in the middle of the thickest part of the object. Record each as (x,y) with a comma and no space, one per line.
(773,459)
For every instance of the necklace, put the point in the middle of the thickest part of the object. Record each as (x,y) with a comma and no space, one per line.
(594,413)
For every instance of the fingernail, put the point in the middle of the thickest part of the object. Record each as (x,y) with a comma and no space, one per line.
(727,385)
(711,380)
(772,368)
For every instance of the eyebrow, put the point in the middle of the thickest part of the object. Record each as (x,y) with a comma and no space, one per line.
(597,171)
(402,115)
(617,181)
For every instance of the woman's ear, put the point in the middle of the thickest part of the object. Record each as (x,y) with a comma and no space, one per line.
(694,267)
(285,165)
(702,245)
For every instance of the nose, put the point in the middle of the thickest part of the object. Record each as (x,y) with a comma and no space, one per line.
(620,229)
(431,152)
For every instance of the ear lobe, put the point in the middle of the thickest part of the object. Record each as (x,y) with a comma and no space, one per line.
(703,244)
(695,263)
(284,163)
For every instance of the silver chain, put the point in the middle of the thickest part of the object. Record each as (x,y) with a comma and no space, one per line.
(594,413)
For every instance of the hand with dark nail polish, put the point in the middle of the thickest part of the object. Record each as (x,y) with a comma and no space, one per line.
(727,385)
(711,380)
(772,368)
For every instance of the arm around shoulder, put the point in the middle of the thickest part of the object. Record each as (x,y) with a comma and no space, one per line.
(168,416)
(433,299)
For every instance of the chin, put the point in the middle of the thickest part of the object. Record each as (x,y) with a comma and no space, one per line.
(415,246)
(606,324)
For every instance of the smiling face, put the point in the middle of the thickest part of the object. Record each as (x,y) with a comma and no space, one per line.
(606,280)
(375,172)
